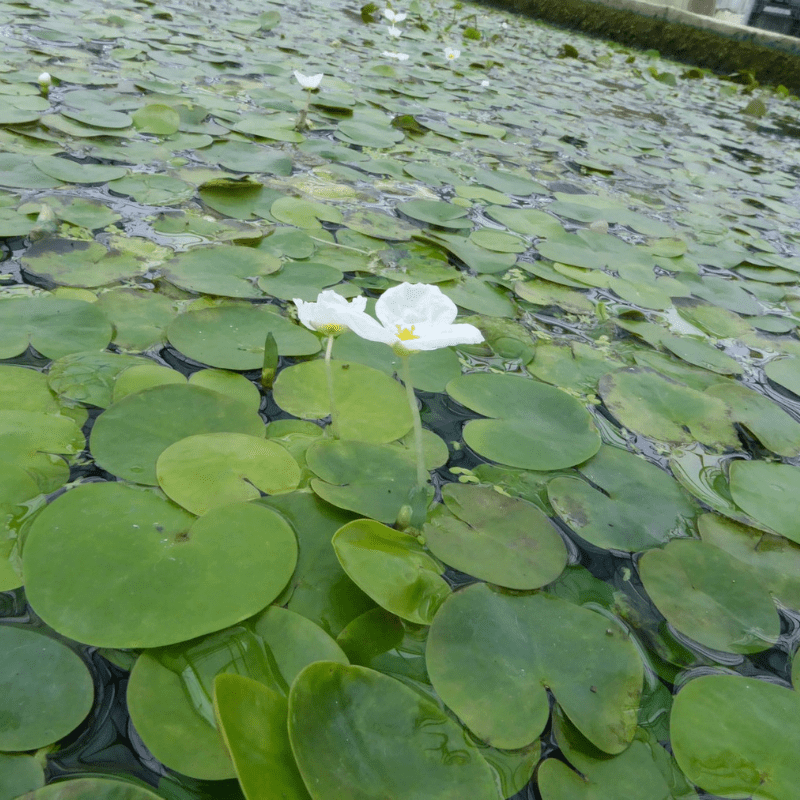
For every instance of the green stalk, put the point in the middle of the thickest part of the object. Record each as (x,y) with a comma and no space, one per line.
(329,375)
(422,474)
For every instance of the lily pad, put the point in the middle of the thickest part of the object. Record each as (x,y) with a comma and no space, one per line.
(19,774)
(370,479)
(606,509)
(319,589)
(126,575)
(785,372)
(656,406)
(379,415)
(48,689)
(209,470)
(491,655)
(499,539)
(767,492)
(90,377)
(710,596)
(772,558)
(535,426)
(736,736)
(229,271)
(73,262)
(392,568)
(128,437)
(54,327)
(332,707)
(253,723)
(69,171)
(233,336)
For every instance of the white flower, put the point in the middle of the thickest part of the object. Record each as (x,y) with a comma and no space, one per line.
(309,81)
(45,79)
(394,32)
(414,316)
(392,16)
(450,53)
(484,83)
(330,314)
(396,56)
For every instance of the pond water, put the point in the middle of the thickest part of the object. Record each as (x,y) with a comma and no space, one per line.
(614,471)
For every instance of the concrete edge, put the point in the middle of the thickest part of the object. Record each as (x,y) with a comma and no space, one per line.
(695,39)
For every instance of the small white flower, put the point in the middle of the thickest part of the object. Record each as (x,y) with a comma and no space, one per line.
(394,32)
(392,16)
(45,79)
(330,313)
(484,83)
(396,56)
(414,316)
(309,81)
(451,54)
(503,24)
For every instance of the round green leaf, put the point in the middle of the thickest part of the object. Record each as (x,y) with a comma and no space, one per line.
(491,655)
(373,480)
(773,559)
(69,171)
(499,539)
(53,326)
(710,596)
(392,568)
(47,689)
(737,737)
(436,212)
(19,774)
(128,438)
(607,510)
(157,118)
(232,337)
(379,414)
(649,403)
(303,281)
(304,213)
(535,426)
(358,734)
(115,566)
(162,711)
(319,588)
(153,189)
(253,723)
(73,262)
(785,372)
(768,492)
(213,469)
(225,271)
(90,377)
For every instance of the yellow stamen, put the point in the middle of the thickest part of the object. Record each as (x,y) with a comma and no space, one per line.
(404,334)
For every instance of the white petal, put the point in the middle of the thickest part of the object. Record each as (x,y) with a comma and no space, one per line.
(45,78)
(371,330)
(399,17)
(415,303)
(433,337)
(309,81)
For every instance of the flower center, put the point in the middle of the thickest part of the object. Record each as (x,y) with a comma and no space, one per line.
(404,334)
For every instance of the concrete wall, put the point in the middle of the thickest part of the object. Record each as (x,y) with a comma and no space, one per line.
(676,33)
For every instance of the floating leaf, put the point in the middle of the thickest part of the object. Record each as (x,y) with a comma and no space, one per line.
(332,706)
(121,537)
(490,656)
(535,426)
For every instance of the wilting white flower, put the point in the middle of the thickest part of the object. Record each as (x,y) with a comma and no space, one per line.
(394,32)
(309,81)
(45,79)
(392,16)
(330,314)
(450,53)
(414,316)
(396,56)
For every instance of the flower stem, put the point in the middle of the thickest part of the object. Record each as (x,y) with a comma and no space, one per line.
(422,474)
(329,376)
